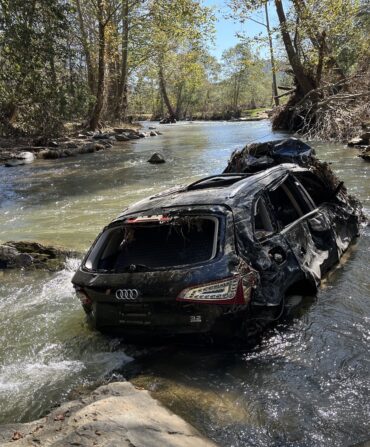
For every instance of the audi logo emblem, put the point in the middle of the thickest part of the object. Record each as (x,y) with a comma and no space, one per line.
(127,294)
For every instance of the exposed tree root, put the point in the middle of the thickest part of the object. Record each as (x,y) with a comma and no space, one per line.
(335,111)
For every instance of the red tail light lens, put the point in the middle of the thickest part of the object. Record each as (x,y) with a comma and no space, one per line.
(83,297)
(226,291)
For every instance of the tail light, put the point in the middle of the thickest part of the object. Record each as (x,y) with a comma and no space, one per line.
(83,297)
(234,290)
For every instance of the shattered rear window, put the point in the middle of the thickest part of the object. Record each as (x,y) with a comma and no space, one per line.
(140,245)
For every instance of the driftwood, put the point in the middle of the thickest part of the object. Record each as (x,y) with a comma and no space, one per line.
(333,111)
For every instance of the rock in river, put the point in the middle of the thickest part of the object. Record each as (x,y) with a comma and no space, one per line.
(122,137)
(156,158)
(123,130)
(365,154)
(23,158)
(32,255)
(117,414)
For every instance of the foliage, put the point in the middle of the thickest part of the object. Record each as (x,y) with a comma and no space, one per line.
(32,48)
(326,43)
(106,61)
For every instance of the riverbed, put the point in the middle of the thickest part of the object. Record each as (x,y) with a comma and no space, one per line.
(308,384)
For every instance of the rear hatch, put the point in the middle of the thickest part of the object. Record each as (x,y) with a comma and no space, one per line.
(140,266)
(153,243)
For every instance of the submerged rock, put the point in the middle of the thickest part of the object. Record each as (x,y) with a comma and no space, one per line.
(133,136)
(361,140)
(122,137)
(23,158)
(156,158)
(365,154)
(32,255)
(117,414)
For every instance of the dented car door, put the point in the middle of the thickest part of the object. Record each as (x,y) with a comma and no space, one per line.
(306,228)
(276,261)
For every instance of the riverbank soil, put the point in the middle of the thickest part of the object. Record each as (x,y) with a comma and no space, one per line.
(117,414)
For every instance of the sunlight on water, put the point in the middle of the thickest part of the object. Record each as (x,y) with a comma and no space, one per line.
(308,384)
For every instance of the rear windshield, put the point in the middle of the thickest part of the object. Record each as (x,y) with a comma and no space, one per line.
(151,245)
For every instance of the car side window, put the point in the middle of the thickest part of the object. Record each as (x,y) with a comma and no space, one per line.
(262,220)
(314,187)
(288,202)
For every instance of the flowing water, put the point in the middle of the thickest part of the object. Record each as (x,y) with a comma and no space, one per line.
(308,384)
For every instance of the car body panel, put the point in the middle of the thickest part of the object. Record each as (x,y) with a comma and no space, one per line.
(268,265)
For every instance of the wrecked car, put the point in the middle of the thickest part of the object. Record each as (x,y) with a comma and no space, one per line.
(220,255)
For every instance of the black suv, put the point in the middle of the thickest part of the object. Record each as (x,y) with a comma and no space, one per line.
(205,257)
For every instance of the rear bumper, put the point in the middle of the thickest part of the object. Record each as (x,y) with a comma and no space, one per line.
(163,318)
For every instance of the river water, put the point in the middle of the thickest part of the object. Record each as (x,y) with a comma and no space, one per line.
(307,384)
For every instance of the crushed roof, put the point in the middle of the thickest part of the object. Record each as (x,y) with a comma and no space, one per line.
(223,189)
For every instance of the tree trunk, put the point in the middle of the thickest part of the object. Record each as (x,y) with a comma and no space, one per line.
(86,48)
(122,94)
(166,99)
(320,64)
(205,104)
(272,59)
(237,94)
(8,114)
(99,103)
(305,82)
(179,102)
(304,13)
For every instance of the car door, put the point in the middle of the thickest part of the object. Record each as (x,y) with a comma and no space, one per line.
(306,228)
(335,224)
(275,260)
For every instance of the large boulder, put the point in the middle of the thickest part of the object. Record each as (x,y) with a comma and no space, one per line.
(52,154)
(117,414)
(156,158)
(91,147)
(49,154)
(10,257)
(133,136)
(122,137)
(32,255)
(22,158)
(71,145)
(123,130)
(101,136)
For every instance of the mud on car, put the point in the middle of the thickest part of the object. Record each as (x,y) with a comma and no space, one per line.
(210,256)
